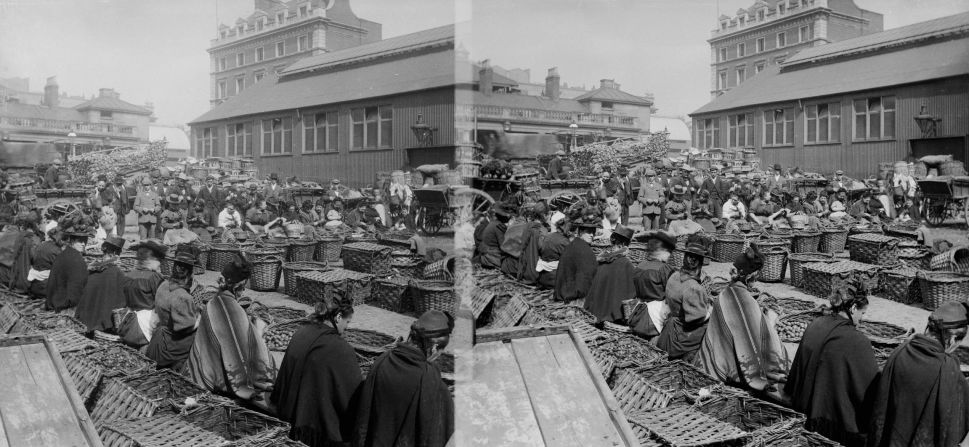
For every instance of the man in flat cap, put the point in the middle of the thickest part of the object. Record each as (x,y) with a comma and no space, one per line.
(404,401)
(555,171)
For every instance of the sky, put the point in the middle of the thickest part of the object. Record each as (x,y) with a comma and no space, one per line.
(155,51)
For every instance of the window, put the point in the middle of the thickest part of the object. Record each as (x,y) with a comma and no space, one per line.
(743,20)
(760,15)
(240,29)
(222,34)
(280,17)
(723,54)
(302,11)
(280,49)
(222,64)
(723,25)
(372,127)
(260,23)
(722,80)
(260,54)
(740,130)
(607,105)
(259,75)
(240,85)
(741,74)
(223,90)
(320,132)
(780,59)
(781,9)
(781,40)
(205,142)
(741,49)
(805,33)
(760,45)
(822,123)
(238,139)
(708,133)
(240,59)
(277,136)
(874,118)
(759,67)
(779,127)
(302,42)
(107,115)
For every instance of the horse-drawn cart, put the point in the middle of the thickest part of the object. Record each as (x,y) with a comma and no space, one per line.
(945,197)
(440,205)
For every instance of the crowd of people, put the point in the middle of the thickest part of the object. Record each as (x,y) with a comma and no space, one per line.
(578,249)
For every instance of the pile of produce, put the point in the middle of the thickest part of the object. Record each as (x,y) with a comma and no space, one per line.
(118,161)
(592,159)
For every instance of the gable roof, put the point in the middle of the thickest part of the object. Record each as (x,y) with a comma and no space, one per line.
(613,95)
(529,102)
(425,71)
(910,65)
(443,35)
(938,28)
(113,104)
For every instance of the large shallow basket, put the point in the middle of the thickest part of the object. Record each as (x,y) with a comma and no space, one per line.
(366,341)
(790,328)
(411,266)
(142,395)
(433,295)
(820,279)
(914,255)
(798,260)
(220,255)
(901,285)
(833,240)
(276,438)
(312,286)
(873,248)
(775,260)
(884,333)
(939,288)
(278,335)
(67,340)
(265,274)
(231,422)
(49,321)
(367,257)
(628,351)
(168,430)
(290,269)
(726,247)
(748,413)
(657,385)
(328,249)
(954,260)
(274,314)
(562,313)
(792,436)
(683,425)
(806,241)
(301,250)
(390,293)
(785,306)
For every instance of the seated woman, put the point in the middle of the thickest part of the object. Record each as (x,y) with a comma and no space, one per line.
(229,355)
(577,265)
(689,306)
(198,221)
(741,346)
(839,205)
(69,272)
(834,369)
(139,288)
(319,376)
(550,250)
(650,279)
(42,259)
(613,280)
(521,246)
(178,316)
(703,212)
(103,291)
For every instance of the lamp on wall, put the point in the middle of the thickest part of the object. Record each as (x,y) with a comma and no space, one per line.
(574,127)
(928,124)
(71,136)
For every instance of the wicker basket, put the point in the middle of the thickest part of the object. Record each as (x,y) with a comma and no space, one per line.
(793,435)
(901,285)
(629,351)
(428,294)
(726,247)
(918,260)
(165,431)
(411,266)
(232,422)
(141,395)
(314,285)
(798,260)
(265,274)
(939,288)
(86,379)
(884,333)
(277,438)
(954,260)
(748,413)
(873,248)
(676,257)
(655,386)
(301,250)
(790,328)
(290,269)
(806,242)
(636,253)
(440,270)
(114,360)
(275,314)
(785,306)
(49,321)
(833,240)
(684,425)
(328,249)
(278,335)
(563,313)
(820,279)
(127,261)
(775,254)
(354,238)
(259,253)
(390,293)
(67,340)
(9,317)
(220,255)
(368,342)
(367,257)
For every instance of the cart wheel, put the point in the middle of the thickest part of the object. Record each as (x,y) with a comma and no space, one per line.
(71,206)
(937,212)
(428,221)
(480,201)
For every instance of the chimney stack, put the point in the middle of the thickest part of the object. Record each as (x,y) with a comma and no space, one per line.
(51,94)
(608,83)
(552,88)
(486,78)
(108,93)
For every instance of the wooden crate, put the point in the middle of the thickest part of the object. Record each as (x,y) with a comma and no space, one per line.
(40,406)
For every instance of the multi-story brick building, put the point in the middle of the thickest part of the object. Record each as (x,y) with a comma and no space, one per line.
(770,31)
(277,34)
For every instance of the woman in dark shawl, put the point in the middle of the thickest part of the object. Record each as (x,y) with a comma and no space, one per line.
(650,278)
(489,250)
(69,272)
(688,304)
(921,398)
(319,378)
(522,266)
(404,401)
(229,355)
(550,249)
(741,346)
(42,259)
(102,293)
(577,266)
(834,370)
(613,281)
(178,315)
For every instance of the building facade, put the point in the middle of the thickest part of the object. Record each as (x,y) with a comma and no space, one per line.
(770,31)
(884,82)
(277,34)
(73,122)
(342,115)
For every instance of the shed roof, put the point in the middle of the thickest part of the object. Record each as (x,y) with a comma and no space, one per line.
(113,104)
(613,95)
(529,102)
(909,65)
(19,110)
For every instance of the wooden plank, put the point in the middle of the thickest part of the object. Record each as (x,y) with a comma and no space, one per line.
(67,384)
(505,334)
(548,363)
(494,408)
